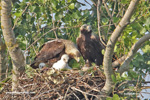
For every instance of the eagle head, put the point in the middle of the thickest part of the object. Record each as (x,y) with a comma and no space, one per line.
(85,29)
(71,50)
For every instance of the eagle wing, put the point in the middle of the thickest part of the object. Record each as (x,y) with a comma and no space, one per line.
(49,50)
(81,48)
(97,47)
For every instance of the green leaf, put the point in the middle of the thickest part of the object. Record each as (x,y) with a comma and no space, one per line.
(108,98)
(115,97)
(58,15)
(68,1)
(103,51)
(146,48)
(147,22)
(115,19)
(71,6)
(136,26)
(18,14)
(113,78)
(124,1)
(32,8)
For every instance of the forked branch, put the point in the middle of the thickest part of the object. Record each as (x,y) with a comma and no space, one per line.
(110,46)
(125,66)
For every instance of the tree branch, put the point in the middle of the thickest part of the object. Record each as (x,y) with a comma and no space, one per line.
(15,52)
(110,46)
(118,61)
(125,66)
(98,20)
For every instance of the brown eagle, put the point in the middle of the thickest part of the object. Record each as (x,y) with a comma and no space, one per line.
(52,51)
(90,46)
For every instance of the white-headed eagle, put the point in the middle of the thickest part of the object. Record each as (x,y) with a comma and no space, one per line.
(90,46)
(52,51)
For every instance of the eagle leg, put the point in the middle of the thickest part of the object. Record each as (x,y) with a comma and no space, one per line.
(87,63)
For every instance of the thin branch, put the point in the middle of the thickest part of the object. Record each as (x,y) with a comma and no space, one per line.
(125,66)
(107,9)
(76,96)
(88,3)
(98,20)
(114,8)
(84,93)
(94,3)
(118,61)
(47,33)
(53,23)
(109,14)
(66,92)
(20,16)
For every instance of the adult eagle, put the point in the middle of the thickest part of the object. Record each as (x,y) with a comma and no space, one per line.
(52,51)
(90,46)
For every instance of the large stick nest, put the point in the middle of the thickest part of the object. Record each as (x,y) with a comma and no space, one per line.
(56,85)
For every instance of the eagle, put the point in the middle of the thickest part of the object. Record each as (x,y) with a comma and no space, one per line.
(90,46)
(62,63)
(52,51)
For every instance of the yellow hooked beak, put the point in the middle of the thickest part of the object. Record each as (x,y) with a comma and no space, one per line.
(77,59)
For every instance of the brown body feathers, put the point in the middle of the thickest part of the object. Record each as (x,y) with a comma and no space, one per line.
(52,51)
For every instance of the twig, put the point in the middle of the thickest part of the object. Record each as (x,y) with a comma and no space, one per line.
(47,33)
(76,96)
(21,14)
(66,92)
(125,66)
(98,20)
(84,93)
(118,61)
(107,9)
(114,8)
(92,88)
(53,23)
(34,50)
(88,3)
(109,14)
(40,91)
(94,3)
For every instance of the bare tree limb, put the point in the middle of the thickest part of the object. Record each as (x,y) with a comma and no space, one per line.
(98,20)
(110,46)
(119,61)
(125,66)
(49,32)
(21,14)
(53,23)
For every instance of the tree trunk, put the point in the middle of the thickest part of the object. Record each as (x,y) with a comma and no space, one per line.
(15,52)
(2,57)
(110,46)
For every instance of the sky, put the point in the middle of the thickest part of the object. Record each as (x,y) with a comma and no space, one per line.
(87,6)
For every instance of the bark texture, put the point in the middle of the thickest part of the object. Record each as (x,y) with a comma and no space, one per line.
(10,41)
(110,46)
(2,56)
